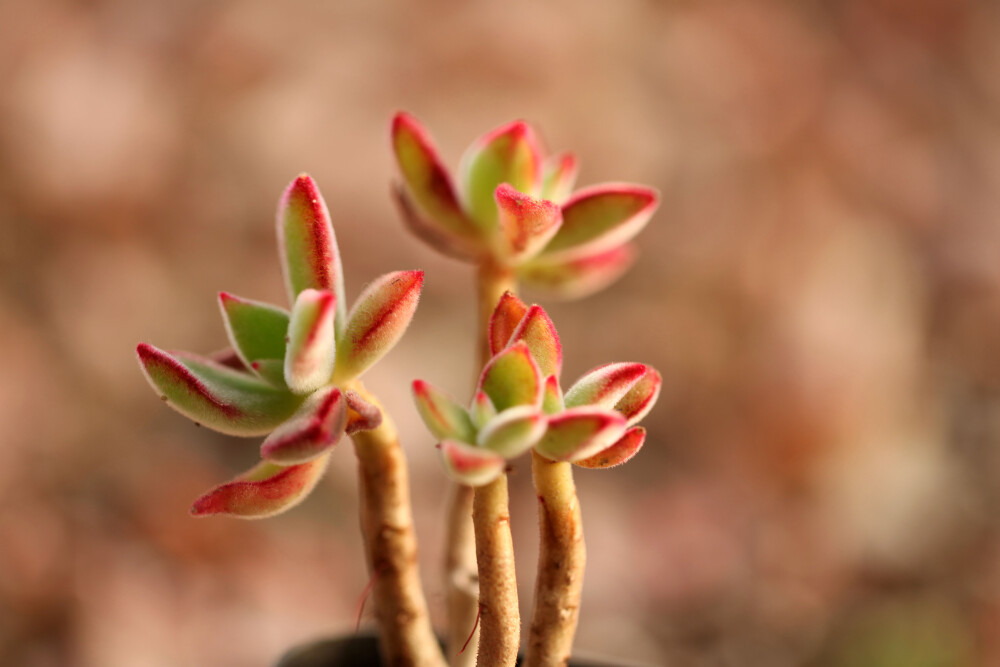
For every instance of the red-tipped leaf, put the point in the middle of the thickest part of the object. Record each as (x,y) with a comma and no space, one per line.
(311,350)
(481,411)
(444,417)
(361,415)
(508,313)
(559,177)
(579,433)
(577,277)
(314,429)
(264,490)
(378,319)
(468,249)
(605,385)
(216,396)
(537,330)
(602,217)
(620,452)
(508,154)
(526,224)
(512,378)
(471,465)
(640,399)
(552,397)
(513,431)
(256,329)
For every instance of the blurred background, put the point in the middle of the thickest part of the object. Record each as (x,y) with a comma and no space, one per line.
(820,290)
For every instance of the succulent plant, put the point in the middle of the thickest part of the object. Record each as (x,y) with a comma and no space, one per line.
(289,375)
(514,207)
(519,404)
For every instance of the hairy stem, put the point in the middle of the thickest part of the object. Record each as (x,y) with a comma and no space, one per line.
(391,547)
(561,560)
(499,619)
(461,574)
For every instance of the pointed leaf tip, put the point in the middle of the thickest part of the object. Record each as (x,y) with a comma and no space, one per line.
(577,277)
(512,378)
(309,358)
(525,224)
(309,254)
(470,465)
(620,452)
(265,490)
(539,333)
(508,154)
(219,397)
(444,417)
(314,429)
(513,431)
(508,313)
(256,330)
(602,217)
(640,399)
(605,385)
(559,177)
(362,415)
(579,433)
(377,321)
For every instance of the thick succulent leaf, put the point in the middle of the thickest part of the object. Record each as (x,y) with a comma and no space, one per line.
(577,277)
(229,358)
(264,490)
(361,415)
(537,330)
(579,433)
(314,429)
(453,245)
(512,378)
(312,347)
(471,465)
(640,399)
(602,217)
(309,254)
(426,179)
(552,398)
(526,224)
(621,451)
(506,316)
(482,410)
(216,396)
(508,154)
(377,321)
(559,177)
(272,370)
(444,417)
(513,431)
(605,385)
(256,329)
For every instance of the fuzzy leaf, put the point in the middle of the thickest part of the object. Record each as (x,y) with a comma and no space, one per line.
(444,417)
(447,243)
(508,154)
(513,431)
(427,181)
(272,370)
(537,330)
(482,410)
(377,321)
(216,396)
(640,399)
(361,415)
(602,217)
(552,399)
(577,277)
(579,433)
(506,316)
(620,452)
(512,378)
(314,429)
(264,490)
(525,224)
(470,465)
(605,385)
(312,348)
(309,254)
(256,329)
(559,177)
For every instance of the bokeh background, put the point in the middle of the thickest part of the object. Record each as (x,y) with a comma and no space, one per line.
(820,289)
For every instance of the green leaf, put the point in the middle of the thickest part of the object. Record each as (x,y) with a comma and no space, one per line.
(605,385)
(576,277)
(602,217)
(223,399)
(579,433)
(512,378)
(552,398)
(313,430)
(264,490)
(256,329)
(470,465)
(539,333)
(526,224)
(377,321)
(513,431)
(444,417)
(482,410)
(559,177)
(620,452)
(309,359)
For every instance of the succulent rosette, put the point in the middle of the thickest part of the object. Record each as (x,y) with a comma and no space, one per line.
(290,374)
(519,404)
(514,206)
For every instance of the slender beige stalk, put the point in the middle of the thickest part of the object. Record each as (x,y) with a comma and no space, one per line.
(499,618)
(461,575)
(391,547)
(561,560)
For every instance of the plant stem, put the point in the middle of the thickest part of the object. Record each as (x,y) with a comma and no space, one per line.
(561,560)
(499,620)
(391,547)
(461,574)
